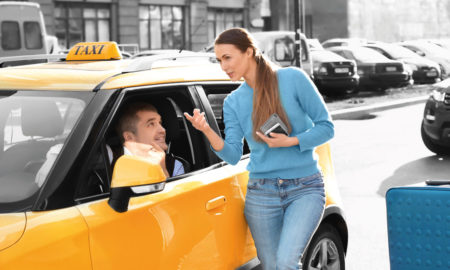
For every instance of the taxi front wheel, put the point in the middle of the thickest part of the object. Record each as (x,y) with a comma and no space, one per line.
(326,251)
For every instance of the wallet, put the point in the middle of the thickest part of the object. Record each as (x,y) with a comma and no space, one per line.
(274,124)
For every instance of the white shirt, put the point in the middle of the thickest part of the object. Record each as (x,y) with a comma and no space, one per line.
(178,168)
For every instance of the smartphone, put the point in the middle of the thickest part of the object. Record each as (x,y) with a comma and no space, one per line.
(274,124)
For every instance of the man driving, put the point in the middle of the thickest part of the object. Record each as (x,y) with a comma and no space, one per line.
(142,134)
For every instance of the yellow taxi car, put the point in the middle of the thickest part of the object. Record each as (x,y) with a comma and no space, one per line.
(64,206)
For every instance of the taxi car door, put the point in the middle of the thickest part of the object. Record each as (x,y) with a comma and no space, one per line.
(196,222)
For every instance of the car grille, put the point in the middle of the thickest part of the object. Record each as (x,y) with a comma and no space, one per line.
(340,69)
(389,68)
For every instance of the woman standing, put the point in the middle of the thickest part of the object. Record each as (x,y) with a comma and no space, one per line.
(285,193)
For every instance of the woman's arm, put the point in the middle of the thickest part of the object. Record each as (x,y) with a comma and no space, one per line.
(278,140)
(230,149)
(199,122)
(314,105)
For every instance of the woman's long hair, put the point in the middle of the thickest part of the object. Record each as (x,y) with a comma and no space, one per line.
(266,96)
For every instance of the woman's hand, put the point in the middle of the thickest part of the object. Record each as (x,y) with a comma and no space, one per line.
(198,120)
(278,140)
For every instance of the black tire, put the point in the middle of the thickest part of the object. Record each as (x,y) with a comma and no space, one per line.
(326,237)
(432,146)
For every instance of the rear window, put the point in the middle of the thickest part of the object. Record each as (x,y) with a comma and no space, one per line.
(10,35)
(33,35)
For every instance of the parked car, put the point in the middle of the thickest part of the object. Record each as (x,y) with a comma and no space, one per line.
(333,74)
(376,72)
(435,128)
(432,52)
(423,70)
(337,42)
(53,45)
(314,44)
(443,42)
(279,47)
(22,29)
(64,205)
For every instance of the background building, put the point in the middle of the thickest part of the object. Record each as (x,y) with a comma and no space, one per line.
(384,20)
(152,24)
(193,24)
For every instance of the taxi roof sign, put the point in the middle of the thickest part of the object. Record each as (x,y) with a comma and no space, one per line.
(88,51)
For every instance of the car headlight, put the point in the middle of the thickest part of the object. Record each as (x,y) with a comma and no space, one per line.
(323,71)
(438,95)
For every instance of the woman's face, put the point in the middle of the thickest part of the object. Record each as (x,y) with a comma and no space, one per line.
(233,61)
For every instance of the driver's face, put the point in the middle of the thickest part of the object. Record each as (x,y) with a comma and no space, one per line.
(149,129)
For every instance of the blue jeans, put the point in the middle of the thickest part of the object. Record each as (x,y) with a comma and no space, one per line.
(282,215)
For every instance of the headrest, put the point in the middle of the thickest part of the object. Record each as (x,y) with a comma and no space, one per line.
(169,118)
(41,118)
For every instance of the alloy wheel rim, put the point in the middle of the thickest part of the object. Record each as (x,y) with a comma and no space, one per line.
(325,256)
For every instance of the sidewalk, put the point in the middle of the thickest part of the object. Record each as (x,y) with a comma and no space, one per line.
(358,112)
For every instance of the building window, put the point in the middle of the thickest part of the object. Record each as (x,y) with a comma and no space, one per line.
(221,19)
(75,23)
(161,27)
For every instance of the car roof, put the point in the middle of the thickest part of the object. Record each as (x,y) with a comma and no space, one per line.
(106,74)
(87,76)
(162,51)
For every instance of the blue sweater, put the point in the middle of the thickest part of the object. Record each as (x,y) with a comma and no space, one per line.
(309,119)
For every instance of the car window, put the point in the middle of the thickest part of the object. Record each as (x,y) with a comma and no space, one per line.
(324,56)
(430,48)
(184,142)
(33,35)
(345,54)
(415,50)
(95,178)
(34,130)
(380,51)
(284,49)
(400,52)
(216,95)
(366,55)
(332,44)
(10,35)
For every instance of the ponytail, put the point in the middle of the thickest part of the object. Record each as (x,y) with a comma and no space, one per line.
(266,96)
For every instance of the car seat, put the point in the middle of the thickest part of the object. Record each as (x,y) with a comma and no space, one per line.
(173,134)
(42,121)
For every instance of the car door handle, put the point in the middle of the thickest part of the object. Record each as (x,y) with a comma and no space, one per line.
(216,202)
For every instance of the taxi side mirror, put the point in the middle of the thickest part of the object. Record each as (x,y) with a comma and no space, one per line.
(133,177)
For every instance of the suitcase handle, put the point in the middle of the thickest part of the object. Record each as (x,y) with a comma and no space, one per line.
(437,182)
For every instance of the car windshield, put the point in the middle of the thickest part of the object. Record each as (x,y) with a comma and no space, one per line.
(398,52)
(34,126)
(324,55)
(368,55)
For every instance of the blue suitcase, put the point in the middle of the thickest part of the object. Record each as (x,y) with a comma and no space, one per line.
(418,220)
